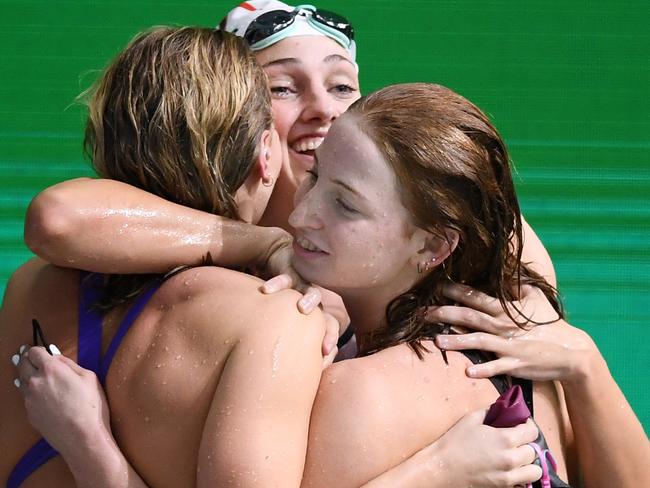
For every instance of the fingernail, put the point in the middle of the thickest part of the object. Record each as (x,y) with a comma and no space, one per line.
(471,371)
(268,287)
(15,359)
(54,350)
(442,341)
(17,383)
(22,349)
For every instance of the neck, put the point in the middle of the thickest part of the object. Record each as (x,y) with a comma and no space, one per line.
(367,310)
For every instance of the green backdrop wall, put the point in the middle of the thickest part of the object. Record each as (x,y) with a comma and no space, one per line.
(565,81)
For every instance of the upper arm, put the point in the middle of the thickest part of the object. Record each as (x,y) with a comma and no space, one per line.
(536,255)
(352,425)
(257,426)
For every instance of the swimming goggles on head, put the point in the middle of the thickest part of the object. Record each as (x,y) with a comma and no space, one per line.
(272,26)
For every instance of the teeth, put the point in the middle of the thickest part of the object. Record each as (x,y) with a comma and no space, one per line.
(304,243)
(307,144)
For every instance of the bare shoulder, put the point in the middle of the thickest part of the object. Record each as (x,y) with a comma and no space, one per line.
(211,294)
(383,408)
(33,290)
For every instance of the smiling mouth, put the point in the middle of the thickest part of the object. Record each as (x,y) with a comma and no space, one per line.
(308,245)
(307,145)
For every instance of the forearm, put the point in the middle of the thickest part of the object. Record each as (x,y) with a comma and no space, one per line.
(100,463)
(110,227)
(425,469)
(612,447)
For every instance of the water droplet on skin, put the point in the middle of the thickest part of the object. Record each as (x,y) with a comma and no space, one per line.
(146,419)
(166,348)
(179,357)
(250,351)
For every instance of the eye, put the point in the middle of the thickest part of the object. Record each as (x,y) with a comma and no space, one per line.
(346,207)
(280,92)
(344,90)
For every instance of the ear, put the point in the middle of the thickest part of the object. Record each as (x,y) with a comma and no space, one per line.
(263,165)
(434,249)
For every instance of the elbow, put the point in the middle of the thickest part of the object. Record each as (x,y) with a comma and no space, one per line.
(49,223)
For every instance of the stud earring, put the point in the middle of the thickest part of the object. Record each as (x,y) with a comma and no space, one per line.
(426,265)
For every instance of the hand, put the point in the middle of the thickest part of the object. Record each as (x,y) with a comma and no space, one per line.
(337,318)
(64,401)
(277,260)
(479,456)
(553,351)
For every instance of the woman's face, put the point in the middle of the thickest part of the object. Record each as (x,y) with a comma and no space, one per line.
(312,81)
(351,229)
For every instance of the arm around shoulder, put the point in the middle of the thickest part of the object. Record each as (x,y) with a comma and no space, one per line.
(106,226)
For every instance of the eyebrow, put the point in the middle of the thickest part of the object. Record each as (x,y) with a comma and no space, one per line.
(338,182)
(328,59)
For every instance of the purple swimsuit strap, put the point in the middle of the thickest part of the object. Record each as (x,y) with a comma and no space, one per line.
(130,317)
(89,347)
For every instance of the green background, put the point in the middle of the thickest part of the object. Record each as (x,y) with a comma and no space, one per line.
(566,82)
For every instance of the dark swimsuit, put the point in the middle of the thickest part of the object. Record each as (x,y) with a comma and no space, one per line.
(88,356)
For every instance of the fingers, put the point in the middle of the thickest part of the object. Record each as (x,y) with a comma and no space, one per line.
(329,358)
(72,365)
(523,434)
(38,356)
(331,334)
(524,475)
(468,317)
(473,298)
(476,340)
(499,366)
(277,283)
(311,299)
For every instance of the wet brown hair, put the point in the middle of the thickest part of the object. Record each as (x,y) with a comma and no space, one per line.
(179,113)
(453,171)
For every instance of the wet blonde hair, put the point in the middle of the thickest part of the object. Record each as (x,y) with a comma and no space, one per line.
(179,113)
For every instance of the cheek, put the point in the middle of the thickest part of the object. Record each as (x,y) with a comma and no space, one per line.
(285,115)
(343,105)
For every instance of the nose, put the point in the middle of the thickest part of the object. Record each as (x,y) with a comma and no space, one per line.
(321,106)
(305,213)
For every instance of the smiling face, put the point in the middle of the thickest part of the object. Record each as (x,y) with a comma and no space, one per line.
(352,231)
(312,81)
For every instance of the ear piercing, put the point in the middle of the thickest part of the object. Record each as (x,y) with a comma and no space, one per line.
(426,265)
(267,180)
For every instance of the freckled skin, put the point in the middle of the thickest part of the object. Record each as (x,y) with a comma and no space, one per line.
(366,245)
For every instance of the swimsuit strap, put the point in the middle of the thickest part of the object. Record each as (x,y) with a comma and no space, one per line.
(37,456)
(89,342)
(88,356)
(123,329)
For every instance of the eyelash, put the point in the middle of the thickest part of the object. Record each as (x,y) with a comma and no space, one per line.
(346,207)
(282,91)
(344,89)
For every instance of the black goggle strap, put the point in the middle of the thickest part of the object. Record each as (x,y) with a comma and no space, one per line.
(37,335)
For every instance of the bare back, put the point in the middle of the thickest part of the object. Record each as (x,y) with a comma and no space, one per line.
(208,366)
